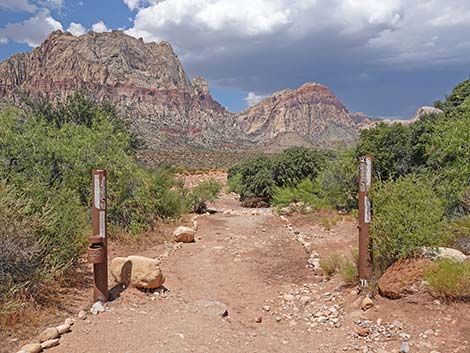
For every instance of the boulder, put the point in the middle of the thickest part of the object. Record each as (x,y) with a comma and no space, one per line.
(140,271)
(445,253)
(210,308)
(403,278)
(184,234)
(31,348)
(366,303)
(50,343)
(63,328)
(49,334)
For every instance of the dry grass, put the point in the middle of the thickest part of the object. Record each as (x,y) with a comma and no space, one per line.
(450,280)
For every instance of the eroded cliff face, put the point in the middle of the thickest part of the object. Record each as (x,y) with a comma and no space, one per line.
(147,84)
(310,114)
(145,81)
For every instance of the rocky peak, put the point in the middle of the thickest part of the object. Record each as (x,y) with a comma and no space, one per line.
(309,114)
(200,86)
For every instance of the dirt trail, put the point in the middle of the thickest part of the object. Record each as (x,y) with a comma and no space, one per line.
(251,262)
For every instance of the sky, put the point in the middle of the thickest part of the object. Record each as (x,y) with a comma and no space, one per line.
(385,58)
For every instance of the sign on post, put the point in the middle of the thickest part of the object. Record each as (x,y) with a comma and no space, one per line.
(97,250)
(365,183)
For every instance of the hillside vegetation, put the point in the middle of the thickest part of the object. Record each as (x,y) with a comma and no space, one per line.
(46,156)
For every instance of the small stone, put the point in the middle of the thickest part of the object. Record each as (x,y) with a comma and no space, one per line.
(97,308)
(305,300)
(429,332)
(362,331)
(50,343)
(366,303)
(69,321)
(82,315)
(48,334)
(289,297)
(322,319)
(266,308)
(63,329)
(259,320)
(278,318)
(32,348)
(405,347)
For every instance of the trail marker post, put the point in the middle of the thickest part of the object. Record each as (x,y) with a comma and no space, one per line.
(365,183)
(97,250)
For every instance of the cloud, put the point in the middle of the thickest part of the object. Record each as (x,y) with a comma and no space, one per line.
(32,31)
(134,4)
(357,47)
(3,40)
(76,29)
(252,99)
(99,27)
(51,4)
(17,5)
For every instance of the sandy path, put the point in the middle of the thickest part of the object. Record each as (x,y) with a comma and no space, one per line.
(253,265)
(241,261)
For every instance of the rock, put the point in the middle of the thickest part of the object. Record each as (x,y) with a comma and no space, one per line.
(184,234)
(140,271)
(97,308)
(289,297)
(405,347)
(445,253)
(278,319)
(402,277)
(266,308)
(69,321)
(362,331)
(48,334)
(50,343)
(366,303)
(259,320)
(210,308)
(32,348)
(304,300)
(82,315)
(63,329)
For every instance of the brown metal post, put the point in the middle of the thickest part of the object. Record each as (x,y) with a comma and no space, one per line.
(365,258)
(98,251)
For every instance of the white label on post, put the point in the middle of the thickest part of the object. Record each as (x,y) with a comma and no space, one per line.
(102,224)
(367,210)
(97,188)
(368,173)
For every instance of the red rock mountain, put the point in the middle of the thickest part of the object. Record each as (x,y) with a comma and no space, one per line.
(310,115)
(148,85)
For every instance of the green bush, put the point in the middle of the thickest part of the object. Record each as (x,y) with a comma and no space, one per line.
(450,280)
(407,215)
(338,181)
(306,191)
(296,164)
(256,178)
(203,193)
(235,183)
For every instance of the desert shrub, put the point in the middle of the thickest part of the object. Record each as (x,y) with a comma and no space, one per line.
(391,147)
(349,273)
(296,164)
(338,181)
(459,94)
(408,215)
(306,191)
(203,193)
(448,153)
(256,178)
(234,183)
(450,280)
(459,230)
(331,264)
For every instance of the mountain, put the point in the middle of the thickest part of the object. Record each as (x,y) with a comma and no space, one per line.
(146,82)
(148,86)
(310,115)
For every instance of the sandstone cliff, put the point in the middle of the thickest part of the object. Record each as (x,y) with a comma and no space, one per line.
(310,115)
(146,82)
